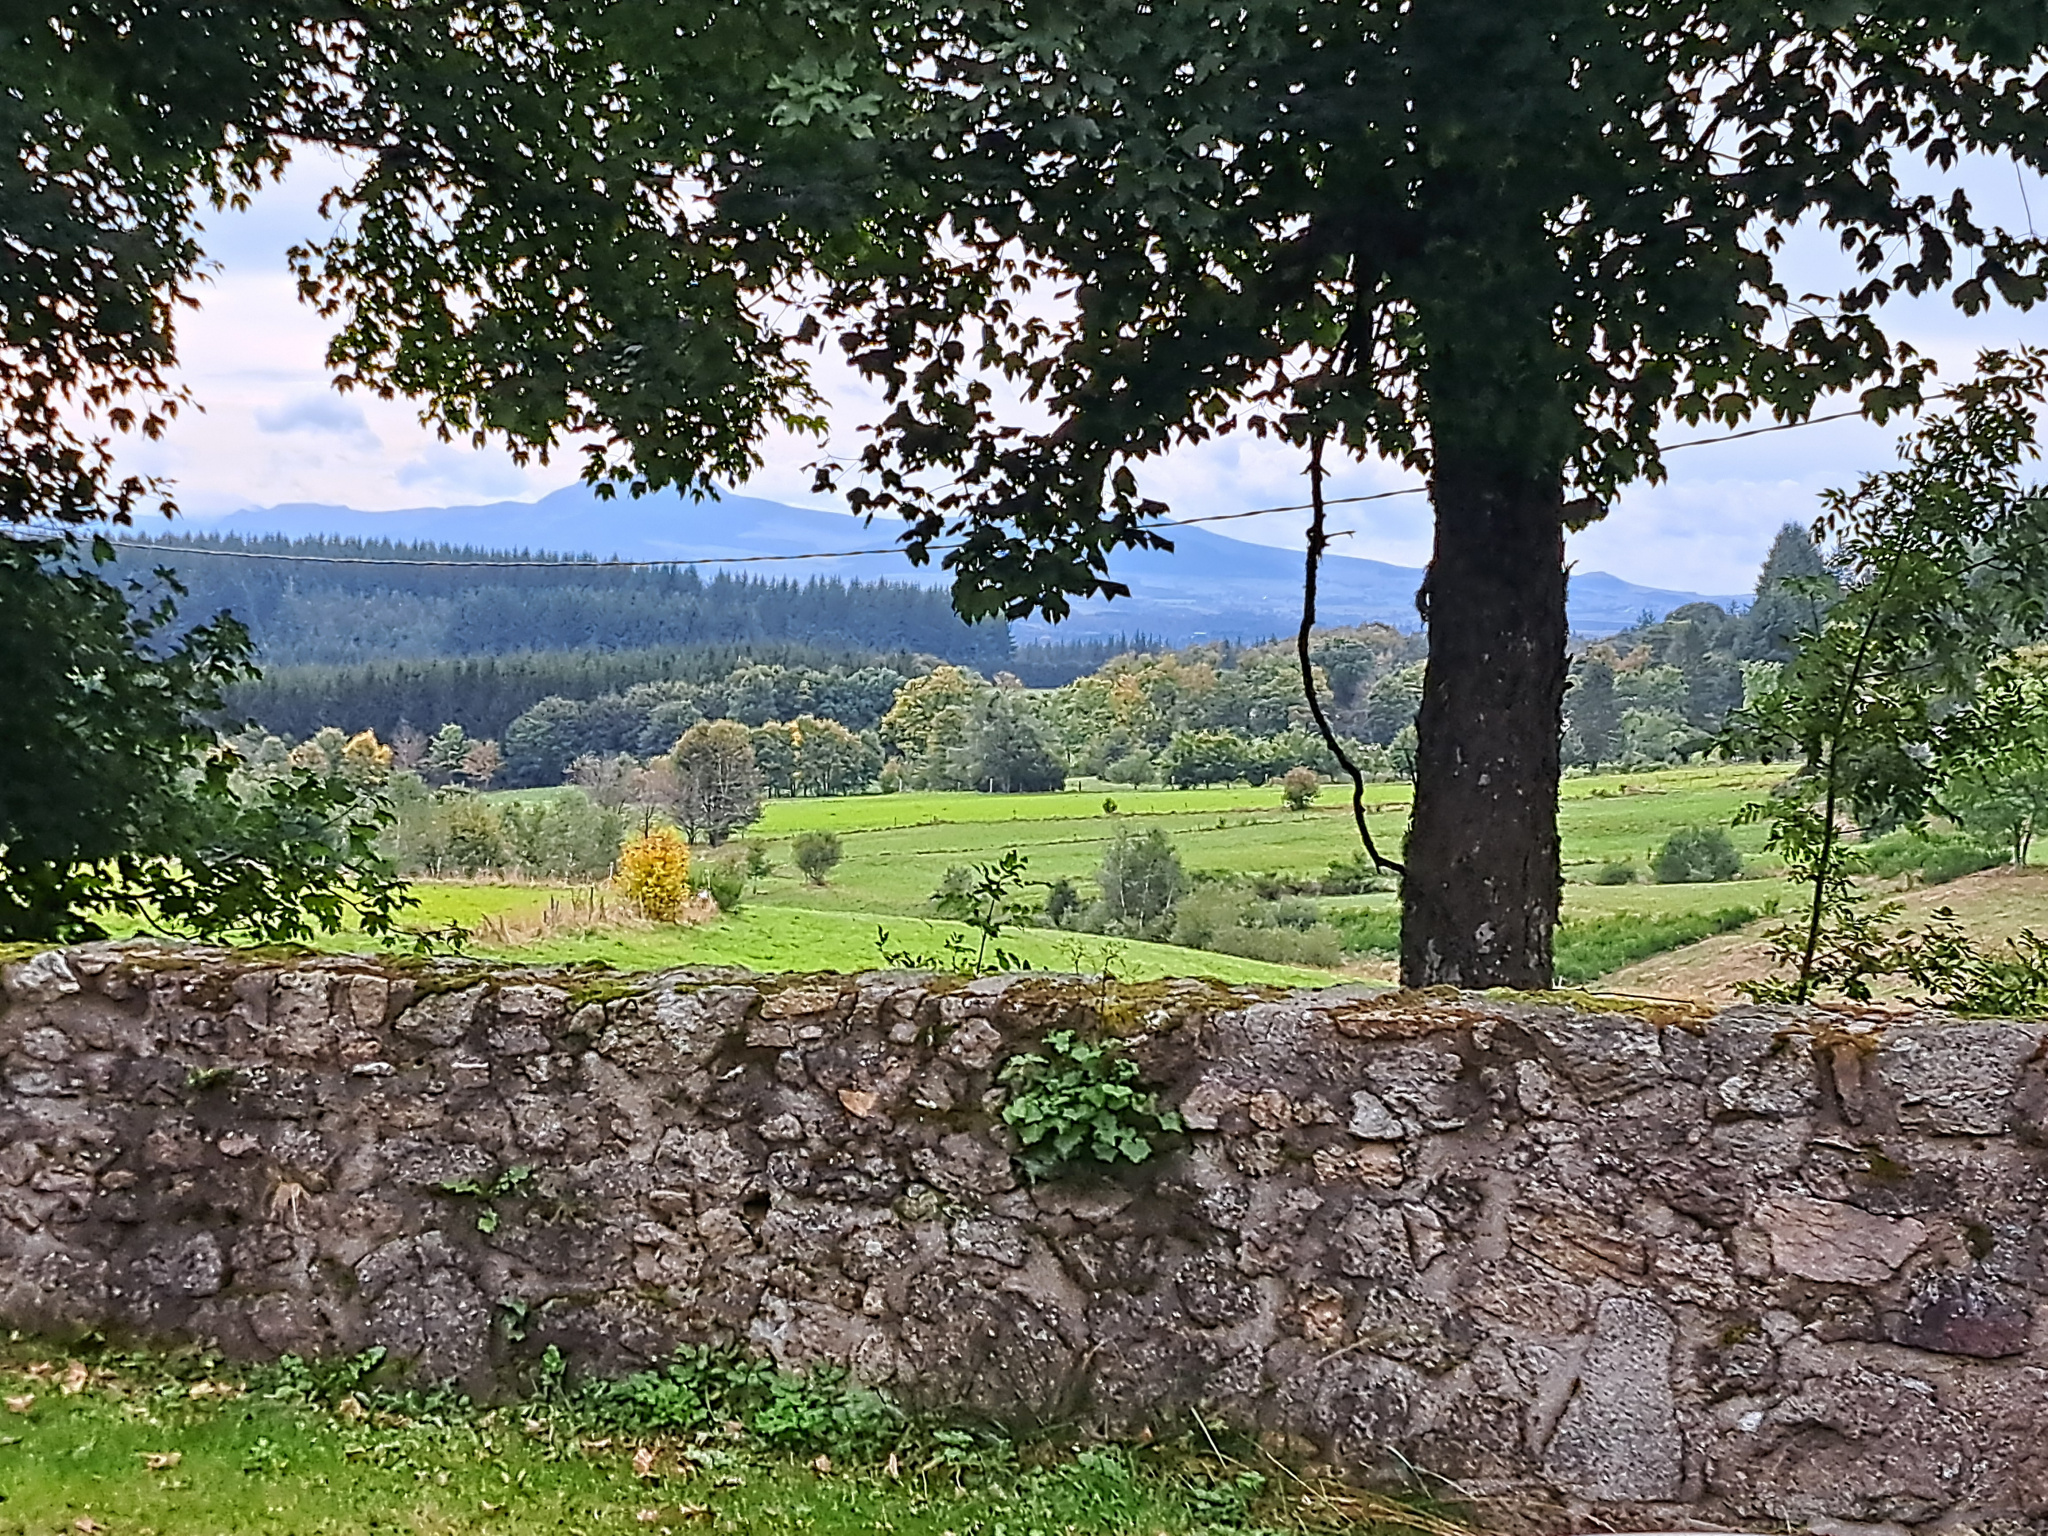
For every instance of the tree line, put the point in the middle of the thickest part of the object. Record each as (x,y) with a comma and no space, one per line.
(1664,690)
(397,603)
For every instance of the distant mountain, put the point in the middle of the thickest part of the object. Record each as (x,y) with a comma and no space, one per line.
(1210,587)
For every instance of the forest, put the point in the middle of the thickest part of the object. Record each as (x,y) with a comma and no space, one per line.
(1656,693)
(331,601)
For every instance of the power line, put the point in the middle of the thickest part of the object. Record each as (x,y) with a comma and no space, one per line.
(853,554)
(630,565)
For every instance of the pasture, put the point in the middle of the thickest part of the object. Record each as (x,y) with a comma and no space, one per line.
(898,849)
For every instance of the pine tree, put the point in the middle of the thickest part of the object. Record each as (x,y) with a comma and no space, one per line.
(1785,602)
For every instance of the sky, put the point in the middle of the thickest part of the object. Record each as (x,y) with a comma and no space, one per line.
(271,429)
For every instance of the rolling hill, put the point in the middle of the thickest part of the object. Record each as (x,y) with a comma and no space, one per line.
(1210,586)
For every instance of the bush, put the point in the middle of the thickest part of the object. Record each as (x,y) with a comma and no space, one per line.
(1231,920)
(1354,876)
(654,874)
(1623,873)
(1952,861)
(1298,787)
(816,854)
(1933,857)
(1587,949)
(1696,854)
(1321,945)
(1370,930)
(724,881)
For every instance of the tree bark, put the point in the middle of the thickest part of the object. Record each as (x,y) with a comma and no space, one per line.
(1479,900)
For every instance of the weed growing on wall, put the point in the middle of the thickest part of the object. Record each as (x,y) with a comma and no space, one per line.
(512,1184)
(1076,1102)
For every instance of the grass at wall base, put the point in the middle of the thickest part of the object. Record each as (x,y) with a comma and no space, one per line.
(93,1441)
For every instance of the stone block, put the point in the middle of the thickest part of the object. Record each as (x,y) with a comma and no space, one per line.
(41,978)
(1962,1315)
(1956,1079)
(441,1018)
(1605,1056)
(1619,1437)
(1830,1241)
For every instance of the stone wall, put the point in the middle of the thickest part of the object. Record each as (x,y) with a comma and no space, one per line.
(1614,1267)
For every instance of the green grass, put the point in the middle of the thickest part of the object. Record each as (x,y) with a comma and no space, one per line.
(779,938)
(899,847)
(181,1447)
(1586,948)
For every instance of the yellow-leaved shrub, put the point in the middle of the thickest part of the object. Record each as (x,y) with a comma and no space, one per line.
(654,873)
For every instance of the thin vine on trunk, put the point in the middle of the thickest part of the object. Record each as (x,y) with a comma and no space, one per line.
(1318,540)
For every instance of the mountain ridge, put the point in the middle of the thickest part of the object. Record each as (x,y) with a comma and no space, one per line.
(1210,587)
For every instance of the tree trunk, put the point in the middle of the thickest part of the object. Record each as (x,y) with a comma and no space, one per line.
(1480,897)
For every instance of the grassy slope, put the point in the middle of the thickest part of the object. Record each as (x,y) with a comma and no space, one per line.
(783,938)
(1992,906)
(898,848)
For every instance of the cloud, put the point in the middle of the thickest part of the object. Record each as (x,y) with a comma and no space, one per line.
(324,413)
(462,471)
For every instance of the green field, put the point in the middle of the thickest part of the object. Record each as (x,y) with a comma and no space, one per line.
(776,937)
(898,849)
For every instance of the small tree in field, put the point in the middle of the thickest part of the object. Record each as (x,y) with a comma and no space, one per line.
(654,872)
(816,854)
(1298,787)
(718,782)
(1694,854)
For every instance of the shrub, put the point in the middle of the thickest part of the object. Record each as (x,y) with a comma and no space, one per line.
(1621,873)
(1231,920)
(724,881)
(654,874)
(1298,787)
(1370,930)
(1695,854)
(1588,948)
(1951,861)
(1320,945)
(1354,876)
(1933,857)
(816,854)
